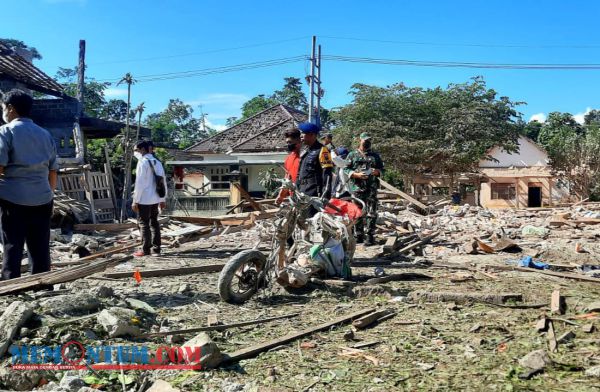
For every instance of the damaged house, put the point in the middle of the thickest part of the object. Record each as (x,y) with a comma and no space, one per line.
(518,180)
(63,117)
(205,172)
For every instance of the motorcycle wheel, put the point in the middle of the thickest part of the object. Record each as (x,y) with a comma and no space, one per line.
(239,279)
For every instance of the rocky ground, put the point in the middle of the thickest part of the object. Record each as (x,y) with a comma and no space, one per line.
(430,344)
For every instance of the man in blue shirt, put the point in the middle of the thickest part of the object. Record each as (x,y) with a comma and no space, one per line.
(28,176)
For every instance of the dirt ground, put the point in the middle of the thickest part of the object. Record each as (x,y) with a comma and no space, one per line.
(426,346)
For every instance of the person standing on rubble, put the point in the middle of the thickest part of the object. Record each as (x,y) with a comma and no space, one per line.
(28,177)
(364,169)
(146,199)
(292,161)
(316,166)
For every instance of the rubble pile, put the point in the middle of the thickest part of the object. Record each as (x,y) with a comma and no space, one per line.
(451,299)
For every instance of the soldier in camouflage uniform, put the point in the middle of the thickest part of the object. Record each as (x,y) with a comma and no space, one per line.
(364,169)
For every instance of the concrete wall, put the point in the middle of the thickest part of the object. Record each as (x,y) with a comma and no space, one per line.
(522,185)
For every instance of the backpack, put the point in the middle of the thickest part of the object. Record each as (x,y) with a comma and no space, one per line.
(160,182)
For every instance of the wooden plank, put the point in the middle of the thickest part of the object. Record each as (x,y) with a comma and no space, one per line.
(406,196)
(565,275)
(221,327)
(104,253)
(557,303)
(464,297)
(417,244)
(53,277)
(364,321)
(104,226)
(188,230)
(254,350)
(247,196)
(167,271)
(241,218)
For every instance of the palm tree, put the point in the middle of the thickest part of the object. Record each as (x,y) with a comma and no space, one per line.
(140,109)
(128,78)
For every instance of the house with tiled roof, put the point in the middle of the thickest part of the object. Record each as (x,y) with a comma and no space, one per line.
(56,111)
(245,149)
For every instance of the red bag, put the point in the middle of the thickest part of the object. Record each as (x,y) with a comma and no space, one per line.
(346,208)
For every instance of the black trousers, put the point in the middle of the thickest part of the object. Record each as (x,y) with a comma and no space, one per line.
(25,225)
(149,227)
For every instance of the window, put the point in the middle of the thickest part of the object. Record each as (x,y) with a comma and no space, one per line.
(504,191)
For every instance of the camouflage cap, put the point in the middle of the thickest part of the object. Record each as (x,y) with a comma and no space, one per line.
(365,136)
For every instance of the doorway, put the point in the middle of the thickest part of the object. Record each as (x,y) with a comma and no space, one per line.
(534,196)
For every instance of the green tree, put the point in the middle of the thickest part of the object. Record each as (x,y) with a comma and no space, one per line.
(256,105)
(532,129)
(291,94)
(175,126)
(574,152)
(115,110)
(435,130)
(93,97)
(18,44)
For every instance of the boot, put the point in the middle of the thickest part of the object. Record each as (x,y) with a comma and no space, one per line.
(370,240)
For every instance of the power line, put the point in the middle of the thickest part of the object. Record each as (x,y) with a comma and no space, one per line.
(460,64)
(476,45)
(215,70)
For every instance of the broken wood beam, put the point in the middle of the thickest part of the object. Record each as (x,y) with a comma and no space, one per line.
(247,196)
(464,297)
(364,321)
(221,327)
(405,196)
(566,275)
(104,226)
(557,303)
(104,253)
(399,277)
(419,243)
(60,276)
(254,350)
(167,271)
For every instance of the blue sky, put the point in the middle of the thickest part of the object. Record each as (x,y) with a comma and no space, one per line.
(151,37)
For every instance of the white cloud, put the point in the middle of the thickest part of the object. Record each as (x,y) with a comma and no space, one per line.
(579,117)
(539,117)
(218,127)
(115,92)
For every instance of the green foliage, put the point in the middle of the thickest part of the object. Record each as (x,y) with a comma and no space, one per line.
(268,179)
(532,130)
(18,44)
(175,127)
(115,110)
(574,151)
(291,94)
(438,130)
(256,105)
(93,96)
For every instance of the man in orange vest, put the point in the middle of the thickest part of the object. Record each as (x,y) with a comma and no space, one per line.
(292,162)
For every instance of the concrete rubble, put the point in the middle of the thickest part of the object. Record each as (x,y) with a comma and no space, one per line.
(484,299)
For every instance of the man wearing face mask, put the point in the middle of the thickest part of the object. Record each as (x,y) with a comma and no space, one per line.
(292,162)
(316,166)
(28,176)
(364,169)
(146,199)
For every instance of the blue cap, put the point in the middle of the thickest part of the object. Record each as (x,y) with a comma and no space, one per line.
(342,152)
(307,127)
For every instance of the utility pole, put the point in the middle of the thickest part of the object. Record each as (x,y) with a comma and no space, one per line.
(128,78)
(314,108)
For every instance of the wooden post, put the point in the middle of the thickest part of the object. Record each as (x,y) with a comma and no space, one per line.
(89,192)
(111,184)
(81,78)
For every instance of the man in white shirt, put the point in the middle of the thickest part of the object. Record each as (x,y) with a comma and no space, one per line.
(146,199)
